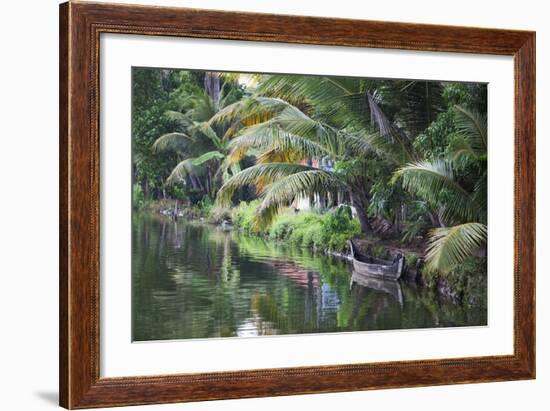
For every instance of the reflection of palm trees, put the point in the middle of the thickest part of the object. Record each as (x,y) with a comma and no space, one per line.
(228,271)
(206,282)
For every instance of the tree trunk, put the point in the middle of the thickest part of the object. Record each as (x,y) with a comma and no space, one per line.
(361,213)
(212,86)
(218,179)
(322,202)
(194,183)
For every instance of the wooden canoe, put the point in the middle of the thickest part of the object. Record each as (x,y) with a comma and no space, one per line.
(376,267)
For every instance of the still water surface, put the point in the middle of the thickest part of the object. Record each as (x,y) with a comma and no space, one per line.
(195,280)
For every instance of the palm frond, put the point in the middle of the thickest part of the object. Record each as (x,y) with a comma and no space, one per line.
(206,157)
(203,108)
(172,142)
(260,176)
(178,117)
(182,170)
(292,128)
(379,118)
(473,126)
(229,113)
(416,103)
(267,137)
(429,179)
(209,132)
(281,192)
(275,155)
(479,196)
(449,246)
(252,110)
(341,100)
(460,152)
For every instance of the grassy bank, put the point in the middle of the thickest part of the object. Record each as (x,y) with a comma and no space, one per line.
(329,231)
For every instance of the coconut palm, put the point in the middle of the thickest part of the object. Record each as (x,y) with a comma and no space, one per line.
(201,146)
(283,144)
(315,117)
(457,186)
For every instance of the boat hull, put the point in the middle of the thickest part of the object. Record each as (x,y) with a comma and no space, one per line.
(385,270)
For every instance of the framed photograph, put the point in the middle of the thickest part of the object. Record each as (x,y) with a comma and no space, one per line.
(258,205)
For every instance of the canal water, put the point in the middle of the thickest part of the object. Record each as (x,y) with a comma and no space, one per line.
(194,280)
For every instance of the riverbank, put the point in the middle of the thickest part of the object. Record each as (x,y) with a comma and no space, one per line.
(328,233)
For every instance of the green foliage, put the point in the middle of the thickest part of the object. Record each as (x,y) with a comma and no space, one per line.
(410,153)
(178,193)
(413,229)
(435,138)
(137,197)
(472,96)
(206,204)
(155,92)
(433,141)
(329,231)
(435,182)
(457,187)
(278,184)
(243,215)
(411,260)
(338,227)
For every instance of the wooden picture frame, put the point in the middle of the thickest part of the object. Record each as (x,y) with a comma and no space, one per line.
(80,27)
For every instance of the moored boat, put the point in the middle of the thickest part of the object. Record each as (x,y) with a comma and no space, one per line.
(376,267)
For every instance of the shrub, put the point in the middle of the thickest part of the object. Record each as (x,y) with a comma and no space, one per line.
(291,226)
(242,217)
(337,228)
(305,229)
(282,228)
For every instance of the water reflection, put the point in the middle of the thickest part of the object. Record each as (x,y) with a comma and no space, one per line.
(198,281)
(392,288)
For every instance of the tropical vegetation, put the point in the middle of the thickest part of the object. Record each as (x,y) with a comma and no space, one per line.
(317,160)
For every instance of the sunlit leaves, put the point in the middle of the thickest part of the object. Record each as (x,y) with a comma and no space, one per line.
(259,176)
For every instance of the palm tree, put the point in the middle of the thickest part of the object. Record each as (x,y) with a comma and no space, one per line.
(282,144)
(312,117)
(201,145)
(457,186)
